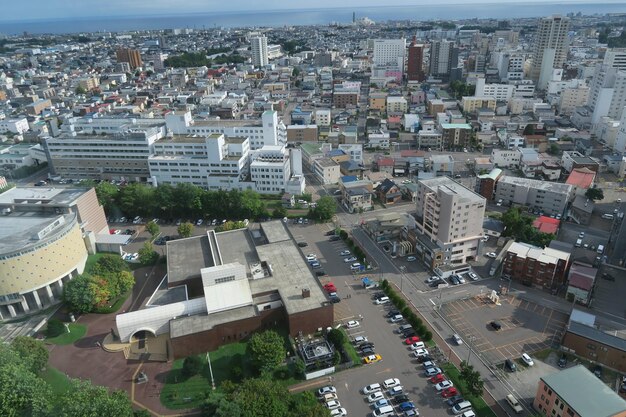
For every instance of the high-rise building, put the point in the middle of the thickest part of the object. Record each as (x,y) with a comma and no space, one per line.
(550,49)
(415,62)
(259,51)
(452,216)
(607,96)
(389,52)
(132,56)
(443,57)
(615,58)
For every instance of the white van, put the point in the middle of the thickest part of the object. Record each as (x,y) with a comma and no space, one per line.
(382,300)
(383,411)
(515,405)
(579,243)
(461,407)
(468,413)
(600,249)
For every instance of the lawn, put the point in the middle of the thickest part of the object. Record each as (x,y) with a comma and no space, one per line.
(57,380)
(480,407)
(77,331)
(179,392)
(350,350)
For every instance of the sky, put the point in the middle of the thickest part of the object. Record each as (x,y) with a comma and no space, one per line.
(63,9)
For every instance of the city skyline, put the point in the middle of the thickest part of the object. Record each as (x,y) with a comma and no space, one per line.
(45,10)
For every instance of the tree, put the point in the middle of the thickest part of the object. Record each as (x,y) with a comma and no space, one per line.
(279,212)
(553,149)
(337,338)
(80,90)
(594,194)
(185,229)
(147,255)
(273,402)
(267,350)
(325,209)
(54,328)
(153,228)
(472,378)
(22,393)
(80,294)
(33,352)
(83,399)
(107,194)
(192,365)
(108,264)
(120,282)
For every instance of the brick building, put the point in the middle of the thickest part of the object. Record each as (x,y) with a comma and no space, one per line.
(535,266)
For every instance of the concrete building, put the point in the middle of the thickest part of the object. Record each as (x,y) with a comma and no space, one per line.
(502,158)
(343,99)
(271,171)
(500,92)
(322,117)
(550,49)
(580,281)
(131,56)
(452,216)
(456,135)
(378,101)
(544,196)
(389,52)
(576,392)
(235,283)
(356,195)
(607,95)
(486,183)
(45,237)
(302,133)
(258,46)
(17,126)
(326,170)
(535,266)
(571,160)
(443,57)
(471,104)
(396,104)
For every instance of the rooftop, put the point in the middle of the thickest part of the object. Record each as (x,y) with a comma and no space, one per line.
(537,184)
(42,196)
(581,178)
(21,231)
(545,255)
(585,393)
(447,185)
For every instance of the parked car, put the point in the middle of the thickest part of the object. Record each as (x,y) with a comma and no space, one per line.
(432,279)
(311,257)
(352,324)
(454,280)
(397,390)
(443,385)
(432,371)
(397,318)
(359,339)
(331,405)
(450,392)
(375,396)
(411,258)
(454,400)
(368,389)
(381,300)
(457,339)
(355,266)
(510,365)
(472,276)
(338,412)
(391,382)
(381,403)
(527,359)
(418,345)
(344,253)
(562,361)
(411,340)
(406,406)
(372,358)
(491,255)
(349,259)
(334,238)
(495,325)
(420,352)
(303,244)
(390,313)
(399,399)
(437,378)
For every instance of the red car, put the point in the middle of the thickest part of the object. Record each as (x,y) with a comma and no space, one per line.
(411,340)
(449,392)
(437,378)
(330,287)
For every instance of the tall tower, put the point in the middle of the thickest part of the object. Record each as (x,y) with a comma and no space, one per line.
(353,17)
(415,62)
(132,56)
(259,51)
(550,49)
(443,57)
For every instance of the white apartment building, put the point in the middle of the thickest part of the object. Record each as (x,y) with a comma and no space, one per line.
(354,150)
(620,140)
(502,158)
(545,196)
(396,104)
(572,98)
(615,58)
(270,169)
(213,162)
(322,117)
(389,52)
(17,126)
(452,216)
(501,92)
(608,93)
(550,48)
(259,51)
(326,171)
(267,131)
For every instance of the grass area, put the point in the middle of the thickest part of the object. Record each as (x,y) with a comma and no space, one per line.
(350,350)
(91,261)
(480,406)
(77,331)
(117,304)
(543,354)
(57,380)
(180,392)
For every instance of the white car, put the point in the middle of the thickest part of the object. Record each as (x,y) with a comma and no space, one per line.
(352,324)
(527,359)
(396,318)
(443,385)
(411,258)
(359,339)
(429,364)
(375,396)
(345,253)
(355,266)
(339,412)
(311,257)
(432,279)
(432,371)
(349,259)
(391,382)
(461,279)
(370,388)
(472,276)
(329,389)
(457,339)
(418,345)
(331,405)
(420,352)
(491,255)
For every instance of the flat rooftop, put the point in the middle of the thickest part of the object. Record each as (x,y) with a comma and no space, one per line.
(41,196)
(22,230)
(447,185)
(186,257)
(554,187)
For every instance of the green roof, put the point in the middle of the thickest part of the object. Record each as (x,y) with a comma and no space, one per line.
(311,148)
(456,126)
(587,395)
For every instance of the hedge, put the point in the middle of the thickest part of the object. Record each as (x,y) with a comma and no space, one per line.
(407,312)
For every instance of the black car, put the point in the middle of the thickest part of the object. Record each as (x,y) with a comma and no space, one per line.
(366,345)
(562,361)
(330,233)
(452,401)
(608,277)
(392,313)
(334,299)
(400,399)
(424,358)
(367,352)
(408,333)
(320,273)
(495,325)
(510,365)
(597,371)
(434,284)
(454,280)
(377,295)
(334,238)
(303,244)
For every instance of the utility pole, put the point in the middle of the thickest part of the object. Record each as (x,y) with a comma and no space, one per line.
(208,359)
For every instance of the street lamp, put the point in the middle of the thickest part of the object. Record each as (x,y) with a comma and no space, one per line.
(402,269)
(469,347)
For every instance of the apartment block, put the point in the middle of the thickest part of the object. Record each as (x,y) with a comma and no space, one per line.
(302,133)
(356,195)
(378,101)
(471,104)
(534,266)
(456,135)
(322,117)
(501,92)
(451,215)
(545,196)
(131,56)
(326,170)
(576,392)
(343,99)
(571,160)
(396,104)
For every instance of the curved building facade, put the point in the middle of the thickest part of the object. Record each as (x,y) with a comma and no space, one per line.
(39,253)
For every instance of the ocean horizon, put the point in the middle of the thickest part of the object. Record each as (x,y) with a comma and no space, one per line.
(277,18)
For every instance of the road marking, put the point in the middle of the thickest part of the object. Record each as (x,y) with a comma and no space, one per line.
(459,292)
(387,370)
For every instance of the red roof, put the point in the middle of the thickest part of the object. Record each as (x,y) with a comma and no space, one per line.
(394,119)
(581,178)
(546,224)
(388,162)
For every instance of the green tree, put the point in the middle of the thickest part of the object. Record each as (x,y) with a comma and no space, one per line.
(325,209)
(273,402)
(107,195)
(80,90)
(86,400)
(120,282)
(147,255)
(185,229)
(279,212)
(54,328)
(108,264)
(553,149)
(267,350)
(251,204)
(22,393)
(594,194)
(295,72)
(80,294)
(33,352)
(164,200)
(137,199)
(472,379)
(337,338)
(153,228)
(192,365)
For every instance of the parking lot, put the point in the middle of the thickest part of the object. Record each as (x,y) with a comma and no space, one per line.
(526,326)
(357,304)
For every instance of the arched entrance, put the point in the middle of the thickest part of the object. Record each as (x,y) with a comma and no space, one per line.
(146,345)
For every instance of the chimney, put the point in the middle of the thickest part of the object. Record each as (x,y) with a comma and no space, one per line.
(306,293)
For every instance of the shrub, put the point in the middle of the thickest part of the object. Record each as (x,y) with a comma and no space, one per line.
(55,328)
(191,366)
(406,312)
(343,234)
(427,336)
